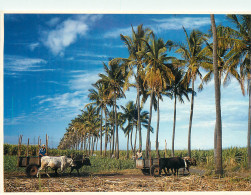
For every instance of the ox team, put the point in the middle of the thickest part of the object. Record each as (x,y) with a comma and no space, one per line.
(62,162)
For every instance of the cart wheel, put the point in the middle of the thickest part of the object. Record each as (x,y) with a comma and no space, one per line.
(155,170)
(146,171)
(32,170)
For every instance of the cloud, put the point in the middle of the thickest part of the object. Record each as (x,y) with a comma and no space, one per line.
(33,46)
(115,33)
(84,80)
(87,54)
(164,24)
(177,23)
(53,21)
(66,100)
(14,63)
(66,33)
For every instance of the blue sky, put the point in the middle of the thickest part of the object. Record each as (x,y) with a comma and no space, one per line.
(51,60)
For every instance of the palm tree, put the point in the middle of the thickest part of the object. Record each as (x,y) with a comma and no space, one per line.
(137,49)
(241,54)
(99,96)
(178,89)
(218,165)
(156,77)
(225,67)
(128,115)
(191,52)
(114,80)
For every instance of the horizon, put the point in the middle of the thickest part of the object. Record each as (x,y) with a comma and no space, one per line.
(51,60)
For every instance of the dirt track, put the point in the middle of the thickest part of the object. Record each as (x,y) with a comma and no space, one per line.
(128,181)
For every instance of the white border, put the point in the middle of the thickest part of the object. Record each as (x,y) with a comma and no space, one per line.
(126,6)
(116,7)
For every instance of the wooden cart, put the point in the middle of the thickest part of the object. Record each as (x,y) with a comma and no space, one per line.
(32,163)
(148,166)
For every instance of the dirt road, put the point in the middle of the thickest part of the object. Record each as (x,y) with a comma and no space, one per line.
(125,181)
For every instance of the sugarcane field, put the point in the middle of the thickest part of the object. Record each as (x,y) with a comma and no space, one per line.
(126,102)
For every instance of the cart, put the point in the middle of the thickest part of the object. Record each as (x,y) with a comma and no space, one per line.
(32,163)
(148,166)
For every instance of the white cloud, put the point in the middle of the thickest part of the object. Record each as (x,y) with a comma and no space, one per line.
(115,33)
(177,23)
(88,54)
(20,64)
(66,100)
(53,21)
(33,46)
(84,80)
(67,32)
(164,24)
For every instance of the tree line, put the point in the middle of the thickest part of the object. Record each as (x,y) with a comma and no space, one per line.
(157,76)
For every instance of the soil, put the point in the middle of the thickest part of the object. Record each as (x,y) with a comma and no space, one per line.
(124,181)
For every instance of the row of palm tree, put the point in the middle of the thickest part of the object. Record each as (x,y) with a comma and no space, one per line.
(155,74)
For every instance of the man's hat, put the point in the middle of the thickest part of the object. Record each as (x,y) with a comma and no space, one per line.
(43,145)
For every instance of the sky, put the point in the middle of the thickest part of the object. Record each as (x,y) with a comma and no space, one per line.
(51,60)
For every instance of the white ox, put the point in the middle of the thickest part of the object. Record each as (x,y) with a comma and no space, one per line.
(55,162)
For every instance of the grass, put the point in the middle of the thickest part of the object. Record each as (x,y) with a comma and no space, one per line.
(234,159)
(98,165)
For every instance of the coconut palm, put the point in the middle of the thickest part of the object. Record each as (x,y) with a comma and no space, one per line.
(226,68)
(191,53)
(128,114)
(178,89)
(137,49)
(241,54)
(114,80)
(100,98)
(156,77)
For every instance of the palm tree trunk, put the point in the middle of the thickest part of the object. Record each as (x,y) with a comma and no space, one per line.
(149,125)
(92,146)
(139,121)
(113,129)
(85,149)
(117,134)
(215,133)
(218,166)
(135,142)
(89,144)
(127,149)
(105,132)
(82,141)
(157,131)
(101,131)
(190,121)
(131,139)
(174,123)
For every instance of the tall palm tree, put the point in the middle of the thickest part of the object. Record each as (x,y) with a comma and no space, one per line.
(114,80)
(191,52)
(156,77)
(99,96)
(226,68)
(241,54)
(137,49)
(218,165)
(178,89)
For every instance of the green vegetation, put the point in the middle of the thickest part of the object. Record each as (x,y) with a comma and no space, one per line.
(234,159)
